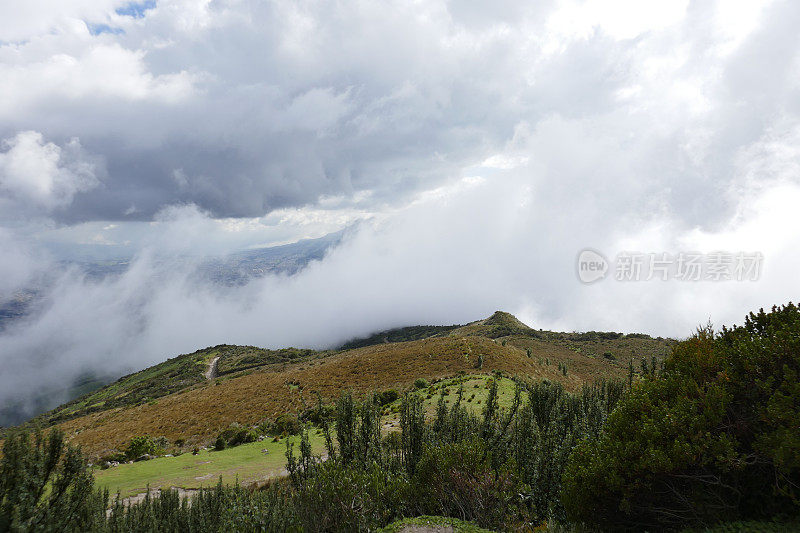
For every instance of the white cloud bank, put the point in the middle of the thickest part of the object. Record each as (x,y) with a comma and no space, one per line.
(44,174)
(427,263)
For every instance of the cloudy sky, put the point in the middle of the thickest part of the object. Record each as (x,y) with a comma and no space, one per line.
(471,150)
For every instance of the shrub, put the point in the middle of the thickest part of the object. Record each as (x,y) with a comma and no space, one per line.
(220,444)
(46,485)
(236,434)
(243,436)
(338,498)
(420,383)
(457,480)
(714,437)
(286,424)
(141,445)
(413,431)
(388,396)
(118,457)
(220,509)
(319,414)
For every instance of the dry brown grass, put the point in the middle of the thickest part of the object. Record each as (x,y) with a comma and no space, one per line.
(197,415)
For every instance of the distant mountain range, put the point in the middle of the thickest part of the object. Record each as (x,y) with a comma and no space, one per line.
(239,267)
(233,269)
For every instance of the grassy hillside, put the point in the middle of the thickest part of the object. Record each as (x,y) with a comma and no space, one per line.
(175,400)
(199,413)
(176,374)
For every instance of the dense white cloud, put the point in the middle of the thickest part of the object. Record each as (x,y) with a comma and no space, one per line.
(20,21)
(41,173)
(19,266)
(104,71)
(479,148)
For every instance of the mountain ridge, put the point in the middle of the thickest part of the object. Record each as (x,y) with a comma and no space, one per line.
(174,398)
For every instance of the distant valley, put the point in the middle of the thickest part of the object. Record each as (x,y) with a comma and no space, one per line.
(229,270)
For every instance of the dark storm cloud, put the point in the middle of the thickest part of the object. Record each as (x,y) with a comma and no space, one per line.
(276,104)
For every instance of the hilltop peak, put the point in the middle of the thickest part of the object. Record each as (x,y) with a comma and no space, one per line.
(501,318)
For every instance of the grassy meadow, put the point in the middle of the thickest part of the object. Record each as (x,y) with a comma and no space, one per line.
(247,463)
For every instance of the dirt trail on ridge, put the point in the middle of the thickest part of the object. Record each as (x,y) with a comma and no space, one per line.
(211,373)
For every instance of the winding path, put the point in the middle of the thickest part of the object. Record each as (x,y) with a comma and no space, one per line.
(211,373)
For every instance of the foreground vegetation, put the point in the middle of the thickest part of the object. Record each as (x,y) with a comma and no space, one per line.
(708,439)
(476,468)
(715,437)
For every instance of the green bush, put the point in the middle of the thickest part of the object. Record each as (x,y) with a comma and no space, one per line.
(457,479)
(388,396)
(420,383)
(440,523)
(141,445)
(285,424)
(318,414)
(46,485)
(714,437)
(243,436)
(235,435)
(118,457)
(751,526)
(338,498)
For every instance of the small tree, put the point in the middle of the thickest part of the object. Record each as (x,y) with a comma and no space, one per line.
(413,434)
(140,445)
(46,485)
(346,423)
